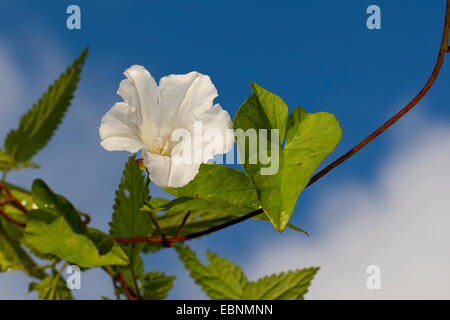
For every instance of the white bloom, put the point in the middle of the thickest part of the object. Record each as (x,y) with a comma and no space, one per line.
(150,114)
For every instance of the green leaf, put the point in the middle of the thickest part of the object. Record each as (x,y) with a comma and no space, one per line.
(38,125)
(223,280)
(262,110)
(14,257)
(128,220)
(5,159)
(219,183)
(135,271)
(56,228)
(217,194)
(220,280)
(203,214)
(309,138)
(52,234)
(7,163)
(24,196)
(289,225)
(156,285)
(45,199)
(291,285)
(52,287)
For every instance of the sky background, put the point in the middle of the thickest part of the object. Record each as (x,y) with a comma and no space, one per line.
(388,205)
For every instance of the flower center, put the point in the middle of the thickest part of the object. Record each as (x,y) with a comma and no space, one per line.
(162,146)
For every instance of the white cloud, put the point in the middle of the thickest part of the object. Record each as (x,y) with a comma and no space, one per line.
(10,85)
(400,223)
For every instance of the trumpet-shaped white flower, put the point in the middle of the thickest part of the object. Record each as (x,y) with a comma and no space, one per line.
(150,115)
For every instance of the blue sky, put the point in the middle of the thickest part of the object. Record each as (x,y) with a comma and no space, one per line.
(316,54)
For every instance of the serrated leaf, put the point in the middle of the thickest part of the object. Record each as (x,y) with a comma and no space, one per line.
(37,126)
(134,271)
(152,247)
(220,280)
(52,287)
(223,280)
(128,220)
(292,285)
(7,163)
(308,139)
(56,228)
(5,159)
(156,285)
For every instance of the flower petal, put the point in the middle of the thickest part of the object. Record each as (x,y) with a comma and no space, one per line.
(218,137)
(119,130)
(184,98)
(158,167)
(164,172)
(181,174)
(128,93)
(141,92)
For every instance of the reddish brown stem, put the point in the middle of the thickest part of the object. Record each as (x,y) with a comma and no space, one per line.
(180,227)
(14,201)
(163,235)
(437,68)
(172,240)
(87,218)
(444,48)
(11,200)
(126,290)
(8,218)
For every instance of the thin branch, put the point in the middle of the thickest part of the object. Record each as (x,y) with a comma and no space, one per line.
(87,218)
(8,218)
(163,235)
(437,68)
(193,235)
(5,201)
(125,288)
(14,200)
(180,227)
(444,48)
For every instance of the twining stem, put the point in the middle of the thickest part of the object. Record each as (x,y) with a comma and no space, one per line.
(8,218)
(444,48)
(13,200)
(437,68)
(163,235)
(125,288)
(118,277)
(180,227)
(168,242)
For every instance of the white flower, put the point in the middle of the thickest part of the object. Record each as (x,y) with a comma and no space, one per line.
(149,116)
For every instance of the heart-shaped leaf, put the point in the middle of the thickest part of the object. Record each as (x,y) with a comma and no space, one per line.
(280,174)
